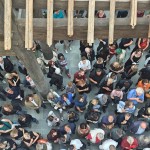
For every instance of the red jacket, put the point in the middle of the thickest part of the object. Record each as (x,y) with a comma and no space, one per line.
(126,146)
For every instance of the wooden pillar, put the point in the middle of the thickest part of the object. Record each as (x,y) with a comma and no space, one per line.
(133,21)
(91,16)
(149,31)
(7,24)
(50,4)
(70,17)
(112,21)
(29,24)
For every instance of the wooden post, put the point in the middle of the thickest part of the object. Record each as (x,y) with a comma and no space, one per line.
(7,24)
(70,17)
(91,16)
(112,21)
(149,31)
(133,13)
(50,22)
(29,24)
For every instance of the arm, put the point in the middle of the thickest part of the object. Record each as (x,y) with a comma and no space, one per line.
(37,136)
(92,80)
(131,57)
(146,45)
(139,41)
(128,44)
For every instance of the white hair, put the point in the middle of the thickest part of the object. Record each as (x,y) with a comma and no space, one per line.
(139,90)
(130,140)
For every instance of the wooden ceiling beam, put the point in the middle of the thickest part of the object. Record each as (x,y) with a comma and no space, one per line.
(83,4)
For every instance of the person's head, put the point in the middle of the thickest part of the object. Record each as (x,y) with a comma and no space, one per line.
(94,101)
(22,117)
(81,82)
(9,90)
(138,51)
(8,76)
(26,135)
(62,58)
(87,50)
(127,116)
(72,147)
(81,98)
(143,125)
(50,95)
(67,128)
(81,72)
(100,60)
(1,60)
(64,96)
(71,114)
(83,126)
(110,81)
(130,140)
(112,147)
(147,111)
(100,136)
(145,81)
(51,63)
(50,118)
(83,59)
(14,133)
(129,104)
(113,75)
(63,138)
(98,71)
(29,97)
(7,107)
(53,132)
(3,145)
(134,68)
(116,65)
(139,91)
(110,118)
(70,84)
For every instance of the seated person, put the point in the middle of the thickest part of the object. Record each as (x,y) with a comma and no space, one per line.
(81,102)
(146,87)
(138,127)
(72,117)
(78,76)
(94,105)
(108,121)
(54,135)
(68,128)
(83,129)
(123,119)
(126,107)
(96,76)
(116,95)
(136,95)
(25,120)
(77,144)
(71,88)
(116,67)
(99,63)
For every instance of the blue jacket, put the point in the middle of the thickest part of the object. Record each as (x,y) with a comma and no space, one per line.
(72,127)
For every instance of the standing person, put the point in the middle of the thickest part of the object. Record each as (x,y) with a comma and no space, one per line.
(101,14)
(125,43)
(58,14)
(99,63)
(122,14)
(79,76)
(83,129)
(116,67)
(67,45)
(82,46)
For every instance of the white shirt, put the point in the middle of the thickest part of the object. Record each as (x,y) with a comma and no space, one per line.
(2,65)
(107,143)
(34,103)
(85,66)
(76,143)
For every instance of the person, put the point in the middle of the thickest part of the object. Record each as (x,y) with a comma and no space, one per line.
(136,95)
(134,58)
(129,142)
(143,43)
(58,14)
(122,13)
(108,144)
(99,63)
(77,144)
(129,72)
(13,79)
(63,64)
(84,64)
(25,120)
(78,76)
(143,141)
(138,127)
(116,95)
(82,46)
(94,105)
(146,87)
(83,130)
(96,76)
(120,55)
(67,45)
(54,135)
(80,103)
(124,119)
(145,72)
(71,88)
(112,49)
(52,119)
(33,101)
(95,136)
(116,67)
(72,116)
(126,107)
(101,14)
(43,144)
(83,87)
(68,128)
(30,139)
(108,122)
(113,76)
(125,43)
(6,65)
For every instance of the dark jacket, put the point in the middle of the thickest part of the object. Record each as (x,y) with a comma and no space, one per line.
(72,127)
(91,57)
(145,73)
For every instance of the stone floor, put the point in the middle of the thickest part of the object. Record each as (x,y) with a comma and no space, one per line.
(73,58)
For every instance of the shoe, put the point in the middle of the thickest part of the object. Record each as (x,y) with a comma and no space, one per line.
(70,48)
(68,75)
(44,106)
(37,110)
(36,121)
(62,118)
(62,88)
(66,51)
(3,81)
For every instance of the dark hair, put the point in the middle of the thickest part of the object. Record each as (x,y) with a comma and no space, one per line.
(83,58)
(27,97)
(71,147)
(145,81)
(50,118)
(83,125)
(64,95)
(98,70)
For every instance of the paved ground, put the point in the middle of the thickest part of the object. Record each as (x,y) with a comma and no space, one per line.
(73,58)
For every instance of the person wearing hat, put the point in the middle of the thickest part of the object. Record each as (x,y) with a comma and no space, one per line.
(103,99)
(120,55)
(95,136)
(107,144)
(144,141)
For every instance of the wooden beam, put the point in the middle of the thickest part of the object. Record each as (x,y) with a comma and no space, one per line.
(83,4)
(29,24)
(7,53)
(122,28)
(70,17)
(49,22)
(7,24)
(91,16)
(149,31)
(112,21)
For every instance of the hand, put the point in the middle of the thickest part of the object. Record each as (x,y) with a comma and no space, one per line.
(124,122)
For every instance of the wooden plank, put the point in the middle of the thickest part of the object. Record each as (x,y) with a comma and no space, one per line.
(7,24)
(91,16)
(149,31)
(70,17)
(112,21)
(49,22)
(83,4)
(29,24)
(7,53)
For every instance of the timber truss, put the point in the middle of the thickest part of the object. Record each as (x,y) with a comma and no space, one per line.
(49,29)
